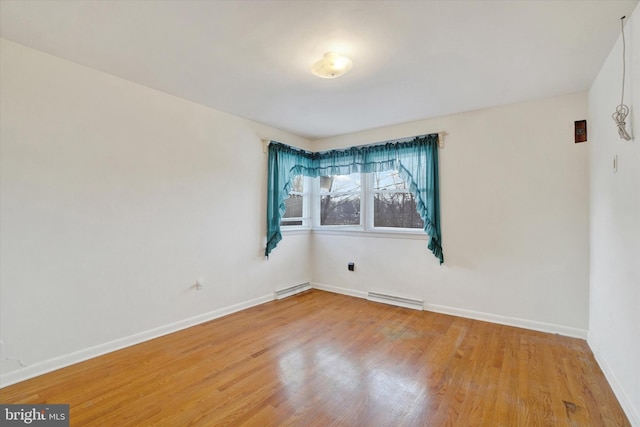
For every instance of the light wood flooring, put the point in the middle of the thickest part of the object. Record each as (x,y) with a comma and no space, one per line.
(323,359)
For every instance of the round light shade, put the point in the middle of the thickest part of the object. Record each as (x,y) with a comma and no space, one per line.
(332,65)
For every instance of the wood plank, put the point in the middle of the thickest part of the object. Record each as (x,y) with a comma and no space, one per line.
(322,359)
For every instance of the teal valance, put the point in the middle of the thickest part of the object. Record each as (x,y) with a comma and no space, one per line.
(416,160)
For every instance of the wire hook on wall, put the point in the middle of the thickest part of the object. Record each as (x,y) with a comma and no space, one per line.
(622,111)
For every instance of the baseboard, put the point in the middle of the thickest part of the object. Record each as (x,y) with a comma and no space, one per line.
(99,350)
(477,315)
(509,321)
(291,290)
(412,303)
(630,411)
(338,290)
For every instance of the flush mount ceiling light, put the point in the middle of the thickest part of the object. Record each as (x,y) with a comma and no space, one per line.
(331,65)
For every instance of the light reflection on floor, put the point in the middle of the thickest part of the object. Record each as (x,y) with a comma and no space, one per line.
(374,383)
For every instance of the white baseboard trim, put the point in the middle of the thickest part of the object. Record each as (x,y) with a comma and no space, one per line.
(477,315)
(627,406)
(55,363)
(509,321)
(99,350)
(291,290)
(412,303)
(338,290)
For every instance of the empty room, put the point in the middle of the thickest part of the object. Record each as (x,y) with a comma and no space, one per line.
(320,213)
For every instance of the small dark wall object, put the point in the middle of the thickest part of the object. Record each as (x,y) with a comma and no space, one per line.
(351,266)
(580,131)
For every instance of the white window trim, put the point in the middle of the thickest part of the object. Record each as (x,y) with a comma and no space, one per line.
(306,211)
(315,208)
(311,216)
(294,230)
(385,234)
(366,228)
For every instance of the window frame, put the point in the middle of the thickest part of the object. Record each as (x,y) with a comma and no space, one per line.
(371,207)
(317,194)
(306,209)
(366,226)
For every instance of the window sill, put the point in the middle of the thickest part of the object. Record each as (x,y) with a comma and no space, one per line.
(293,231)
(382,233)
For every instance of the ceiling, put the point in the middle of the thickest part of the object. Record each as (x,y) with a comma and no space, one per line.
(411,59)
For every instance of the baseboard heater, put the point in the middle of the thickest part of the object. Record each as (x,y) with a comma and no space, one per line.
(416,304)
(292,290)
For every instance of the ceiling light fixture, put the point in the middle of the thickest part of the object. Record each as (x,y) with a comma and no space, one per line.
(331,65)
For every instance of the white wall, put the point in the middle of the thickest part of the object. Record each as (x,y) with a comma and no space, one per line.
(115,199)
(614,317)
(514,200)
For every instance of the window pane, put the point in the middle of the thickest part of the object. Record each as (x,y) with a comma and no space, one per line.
(389,180)
(340,183)
(340,210)
(289,223)
(294,206)
(396,210)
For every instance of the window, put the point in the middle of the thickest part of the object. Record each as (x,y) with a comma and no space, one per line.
(368,201)
(297,205)
(340,197)
(393,204)
(365,202)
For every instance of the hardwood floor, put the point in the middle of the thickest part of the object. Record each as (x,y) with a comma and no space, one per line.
(322,359)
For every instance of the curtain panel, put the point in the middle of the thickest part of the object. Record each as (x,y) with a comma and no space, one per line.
(416,161)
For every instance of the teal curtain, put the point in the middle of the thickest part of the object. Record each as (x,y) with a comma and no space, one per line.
(416,160)
(284,163)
